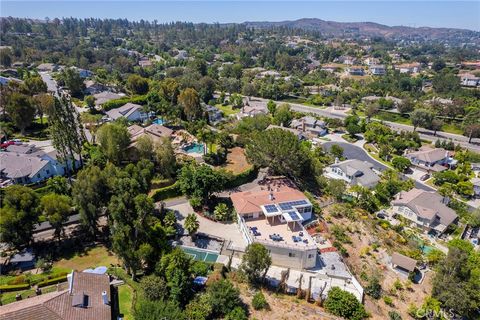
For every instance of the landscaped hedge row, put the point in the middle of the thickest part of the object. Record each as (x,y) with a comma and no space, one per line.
(242,178)
(235,181)
(48,282)
(14,287)
(167,192)
(55,275)
(112,104)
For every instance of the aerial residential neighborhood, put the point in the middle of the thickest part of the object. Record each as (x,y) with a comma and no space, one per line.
(235,170)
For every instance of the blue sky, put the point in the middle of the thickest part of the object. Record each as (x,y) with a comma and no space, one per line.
(457,14)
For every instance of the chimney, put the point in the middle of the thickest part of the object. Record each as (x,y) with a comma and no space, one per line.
(303,125)
(105,298)
(336,160)
(400,195)
(70,282)
(270,196)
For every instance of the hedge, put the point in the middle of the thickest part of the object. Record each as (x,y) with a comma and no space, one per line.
(14,287)
(116,103)
(167,192)
(242,178)
(48,282)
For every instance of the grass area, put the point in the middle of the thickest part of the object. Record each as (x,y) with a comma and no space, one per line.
(36,131)
(9,297)
(227,110)
(393,117)
(125,299)
(374,155)
(452,128)
(91,258)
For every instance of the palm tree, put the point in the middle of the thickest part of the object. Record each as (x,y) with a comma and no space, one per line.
(191,224)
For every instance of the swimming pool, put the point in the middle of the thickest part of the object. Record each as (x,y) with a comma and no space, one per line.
(159,121)
(194,148)
(200,255)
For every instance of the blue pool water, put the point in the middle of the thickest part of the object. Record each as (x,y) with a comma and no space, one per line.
(194,148)
(159,121)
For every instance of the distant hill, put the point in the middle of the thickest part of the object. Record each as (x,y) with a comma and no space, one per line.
(371,29)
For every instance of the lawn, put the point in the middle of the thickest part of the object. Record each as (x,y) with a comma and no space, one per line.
(452,128)
(91,258)
(227,110)
(9,297)
(393,117)
(125,298)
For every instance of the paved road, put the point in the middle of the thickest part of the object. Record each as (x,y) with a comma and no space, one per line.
(354,152)
(424,133)
(51,84)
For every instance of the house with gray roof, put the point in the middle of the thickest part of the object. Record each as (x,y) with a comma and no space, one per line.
(310,125)
(354,172)
(129,111)
(429,159)
(426,209)
(26,164)
(105,96)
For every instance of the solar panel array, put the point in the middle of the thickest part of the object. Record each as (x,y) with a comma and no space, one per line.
(271,208)
(289,205)
(293,215)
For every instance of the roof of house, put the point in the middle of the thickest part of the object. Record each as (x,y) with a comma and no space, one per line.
(404,262)
(428,155)
(154,131)
(105,96)
(294,131)
(23,256)
(360,170)
(250,201)
(426,204)
(60,305)
(124,111)
(17,165)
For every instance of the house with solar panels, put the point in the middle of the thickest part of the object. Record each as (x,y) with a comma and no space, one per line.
(273,215)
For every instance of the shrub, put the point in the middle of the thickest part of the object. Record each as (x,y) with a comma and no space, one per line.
(344,304)
(388,301)
(153,287)
(374,289)
(237,314)
(14,287)
(49,282)
(21,279)
(394,315)
(166,192)
(201,268)
(259,302)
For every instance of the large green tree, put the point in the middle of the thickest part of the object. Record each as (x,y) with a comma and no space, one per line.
(255,262)
(18,215)
(200,181)
(21,110)
(190,103)
(137,84)
(114,140)
(72,80)
(56,208)
(344,304)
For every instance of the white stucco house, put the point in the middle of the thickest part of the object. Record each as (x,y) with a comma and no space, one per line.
(129,111)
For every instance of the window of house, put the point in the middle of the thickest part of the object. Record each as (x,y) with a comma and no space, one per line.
(310,256)
(291,255)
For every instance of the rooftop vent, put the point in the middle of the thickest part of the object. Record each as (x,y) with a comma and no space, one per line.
(80,300)
(105,298)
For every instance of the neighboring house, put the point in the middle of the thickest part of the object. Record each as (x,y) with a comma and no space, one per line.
(181,55)
(105,96)
(356,71)
(129,111)
(428,159)
(155,131)
(145,62)
(371,99)
(426,209)
(25,164)
(23,260)
(469,80)
(251,111)
(47,67)
(4,80)
(272,215)
(372,61)
(347,60)
(354,172)
(296,132)
(408,67)
(93,88)
(214,114)
(476,187)
(378,70)
(329,68)
(269,73)
(310,125)
(403,264)
(83,72)
(88,297)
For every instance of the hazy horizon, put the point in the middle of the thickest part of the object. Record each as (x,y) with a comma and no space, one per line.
(439,14)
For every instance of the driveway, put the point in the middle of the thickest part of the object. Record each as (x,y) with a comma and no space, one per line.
(351,151)
(227,231)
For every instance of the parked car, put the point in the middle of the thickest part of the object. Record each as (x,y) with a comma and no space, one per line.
(424,177)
